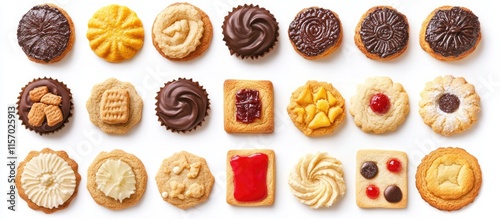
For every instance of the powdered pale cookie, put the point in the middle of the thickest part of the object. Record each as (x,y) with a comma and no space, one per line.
(248,106)
(381,179)
(114,106)
(116,179)
(115,33)
(317,180)
(47,180)
(449,105)
(379,105)
(449,178)
(184,180)
(182,32)
(316,108)
(250,177)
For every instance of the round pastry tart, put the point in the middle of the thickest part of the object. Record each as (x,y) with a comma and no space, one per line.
(46,33)
(315,32)
(449,105)
(379,105)
(382,33)
(450,33)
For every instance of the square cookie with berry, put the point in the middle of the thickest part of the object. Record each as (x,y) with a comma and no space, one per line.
(381,179)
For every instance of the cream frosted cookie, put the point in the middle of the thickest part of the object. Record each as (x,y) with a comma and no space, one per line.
(48,180)
(317,180)
(449,105)
(116,179)
(380,105)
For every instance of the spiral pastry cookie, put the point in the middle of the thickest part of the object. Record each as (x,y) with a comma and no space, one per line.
(182,105)
(382,33)
(250,31)
(115,33)
(317,180)
(449,105)
(315,32)
(182,32)
(46,33)
(450,33)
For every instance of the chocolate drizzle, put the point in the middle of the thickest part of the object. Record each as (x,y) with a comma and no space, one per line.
(384,32)
(250,31)
(44,33)
(314,30)
(452,32)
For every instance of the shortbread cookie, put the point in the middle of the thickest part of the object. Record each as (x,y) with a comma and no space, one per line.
(450,33)
(46,33)
(248,106)
(379,105)
(317,180)
(315,32)
(116,179)
(382,33)
(115,33)
(250,177)
(182,32)
(449,178)
(449,105)
(45,105)
(184,180)
(381,179)
(47,180)
(114,106)
(316,108)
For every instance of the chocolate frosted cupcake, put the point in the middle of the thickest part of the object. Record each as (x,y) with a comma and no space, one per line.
(182,105)
(250,31)
(45,105)
(46,33)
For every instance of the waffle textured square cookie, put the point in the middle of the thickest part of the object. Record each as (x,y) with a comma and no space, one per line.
(248,106)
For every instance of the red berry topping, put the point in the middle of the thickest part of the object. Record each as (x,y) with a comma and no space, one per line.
(372,191)
(394,165)
(380,103)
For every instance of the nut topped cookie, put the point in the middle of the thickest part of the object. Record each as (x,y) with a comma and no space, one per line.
(316,108)
(380,105)
(449,105)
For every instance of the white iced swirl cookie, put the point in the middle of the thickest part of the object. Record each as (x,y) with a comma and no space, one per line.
(116,179)
(317,180)
(380,105)
(449,105)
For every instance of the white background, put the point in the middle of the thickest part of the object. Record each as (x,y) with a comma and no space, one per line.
(346,68)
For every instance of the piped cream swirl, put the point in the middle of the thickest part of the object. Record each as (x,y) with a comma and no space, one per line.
(116,179)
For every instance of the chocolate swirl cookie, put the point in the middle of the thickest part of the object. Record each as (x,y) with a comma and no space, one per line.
(250,31)
(450,33)
(182,105)
(382,33)
(46,33)
(315,32)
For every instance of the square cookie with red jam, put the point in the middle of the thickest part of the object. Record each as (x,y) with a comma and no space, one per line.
(381,179)
(250,177)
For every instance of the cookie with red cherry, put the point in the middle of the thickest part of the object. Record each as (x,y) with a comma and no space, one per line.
(381,179)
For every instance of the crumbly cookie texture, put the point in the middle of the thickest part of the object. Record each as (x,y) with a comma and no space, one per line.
(116,179)
(47,180)
(114,106)
(182,32)
(449,105)
(248,106)
(317,180)
(316,108)
(381,179)
(449,178)
(184,180)
(371,97)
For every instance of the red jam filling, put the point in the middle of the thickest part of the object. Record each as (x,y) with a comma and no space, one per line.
(380,103)
(372,191)
(394,165)
(250,172)
(248,105)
